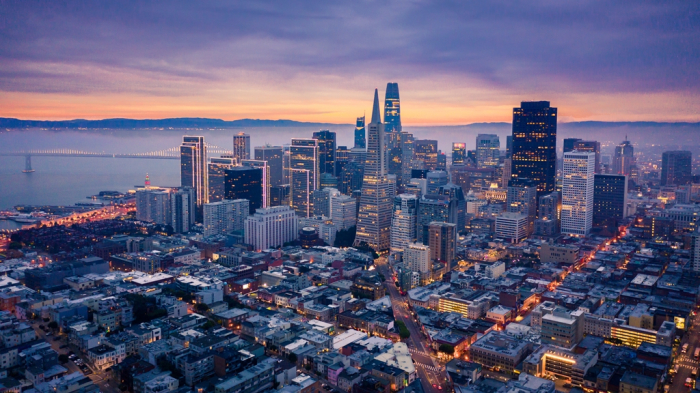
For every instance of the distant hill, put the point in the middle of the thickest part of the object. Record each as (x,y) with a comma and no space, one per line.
(182,122)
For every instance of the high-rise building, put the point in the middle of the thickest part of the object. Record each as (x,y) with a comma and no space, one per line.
(262,165)
(322,201)
(432,207)
(343,211)
(225,216)
(535,144)
(271,227)
(458,204)
(571,144)
(360,139)
(286,164)
(193,167)
(695,250)
(374,217)
(279,195)
(342,157)
(182,208)
(403,222)
(244,182)
(304,174)
(274,157)
(521,197)
(425,151)
(443,243)
(392,108)
(406,143)
(488,150)
(509,146)
(351,177)
(459,152)
(436,179)
(547,223)
(241,146)
(623,160)
(512,227)
(416,257)
(217,177)
(577,193)
(153,205)
(676,167)
(609,199)
(326,151)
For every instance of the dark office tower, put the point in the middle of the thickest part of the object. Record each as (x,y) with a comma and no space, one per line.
(547,222)
(426,151)
(326,151)
(392,108)
(587,146)
(569,144)
(609,199)
(419,173)
(623,160)
(243,182)
(459,152)
(676,168)
(241,146)
(441,161)
(342,157)
(279,195)
(193,167)
(374,217)
(360,139)
(443,243)
(286,159)
(303,174)
(262,165)
(509,146)
(351,177)
(521,197)
(217,177)
(458,204)
(182,209)
(535,144)
(274,156)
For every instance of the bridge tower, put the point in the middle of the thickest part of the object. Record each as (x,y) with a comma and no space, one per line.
(28,164)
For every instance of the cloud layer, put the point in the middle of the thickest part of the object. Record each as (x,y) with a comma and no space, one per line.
(455,61)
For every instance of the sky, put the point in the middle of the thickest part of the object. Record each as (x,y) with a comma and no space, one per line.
(456,62)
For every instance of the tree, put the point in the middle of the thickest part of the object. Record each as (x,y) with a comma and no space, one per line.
(53,325)
(364,247)
(292,357)
(345,237)
(15,246)
(201,307)
(404,333)
(447,348)
(208,325)
(63,358)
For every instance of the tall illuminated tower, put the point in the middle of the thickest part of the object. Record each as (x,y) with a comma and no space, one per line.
(535,144)
(241,146)
(392,108)
(578,187)
(304,174)
(624,158)
(326,150)
(360,139)
(374,217)
(193,167)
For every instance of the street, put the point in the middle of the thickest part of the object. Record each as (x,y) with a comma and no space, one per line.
(685,361)
(432,375)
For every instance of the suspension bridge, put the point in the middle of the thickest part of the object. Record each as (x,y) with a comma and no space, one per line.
(172,153)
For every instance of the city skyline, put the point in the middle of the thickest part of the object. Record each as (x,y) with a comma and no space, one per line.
(260,61)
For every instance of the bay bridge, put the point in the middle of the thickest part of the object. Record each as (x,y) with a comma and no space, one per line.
(172,153)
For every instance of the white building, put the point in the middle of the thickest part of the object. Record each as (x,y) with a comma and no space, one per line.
(271,227)
(403,222)
(417,257)
(577,193)
(225,216)
(153,205)
(695,251)
(512,227)
(343,211)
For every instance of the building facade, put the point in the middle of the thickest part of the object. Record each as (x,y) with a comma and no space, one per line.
(577,193)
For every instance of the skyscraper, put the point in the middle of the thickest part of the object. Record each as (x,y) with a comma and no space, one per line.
(535,144)
(241,146)
(458,204)
(577,193)
(425,151)
(262,165)
(193,167)
(623,160)
(304,174)
(153,205)
(695,250)
(521,197)
(274,156)
(459,152)
(571,144)
(547,223)
(443,243)
(326,151)
(488,150)
(342,157)
(392,108)
(225,216)
(271,227)
(360,140)
(403,222)
(435,180)
(609,199)
(244,182)
(416,257)
(182,210)
(432,207)
(676,168)
(217,177)
(374,217)
(343,211)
